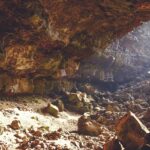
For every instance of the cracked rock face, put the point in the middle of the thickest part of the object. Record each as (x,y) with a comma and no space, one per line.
(48,39)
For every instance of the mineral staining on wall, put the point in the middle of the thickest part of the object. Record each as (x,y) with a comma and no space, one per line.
(47,39)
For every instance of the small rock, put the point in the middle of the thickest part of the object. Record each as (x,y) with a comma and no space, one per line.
(53,136)
(15,125)
(80,102)
(89,89)
(112,108)
(36,133)
(59,103)
(51,109)
(103,120)
(35,143)
(19,136)
(97,109)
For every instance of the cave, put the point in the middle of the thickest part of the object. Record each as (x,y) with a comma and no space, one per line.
(74,74)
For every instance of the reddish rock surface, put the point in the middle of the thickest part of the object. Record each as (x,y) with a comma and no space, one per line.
(131,131)
(49,38)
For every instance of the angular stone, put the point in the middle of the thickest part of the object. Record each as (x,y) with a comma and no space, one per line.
(131,131)
(15,125)
(112,108)
(51,109)
(88,126)
(80,102)
(75,97)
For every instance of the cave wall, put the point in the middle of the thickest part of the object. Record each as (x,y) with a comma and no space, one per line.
(46,40)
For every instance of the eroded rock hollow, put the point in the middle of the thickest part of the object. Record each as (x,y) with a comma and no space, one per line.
(43,41)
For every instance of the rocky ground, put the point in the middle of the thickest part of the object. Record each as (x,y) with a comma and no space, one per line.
(60,48)
(35,122)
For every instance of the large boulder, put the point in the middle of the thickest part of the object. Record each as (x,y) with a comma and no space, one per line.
(88,126)
(131,131)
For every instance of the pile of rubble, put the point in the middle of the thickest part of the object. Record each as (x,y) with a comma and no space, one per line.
(89,119)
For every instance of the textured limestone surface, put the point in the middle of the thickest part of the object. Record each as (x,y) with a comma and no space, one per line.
(48,39)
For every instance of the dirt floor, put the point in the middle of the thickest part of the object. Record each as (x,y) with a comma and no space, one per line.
(27,110)
(23,125)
